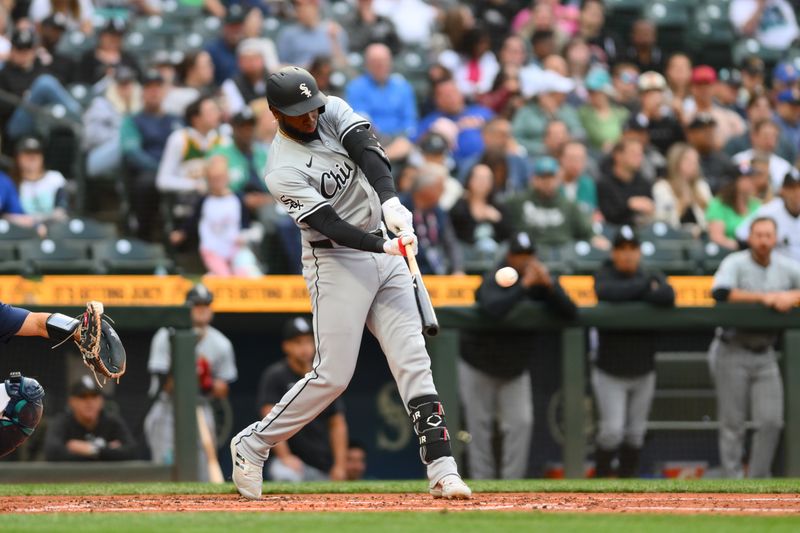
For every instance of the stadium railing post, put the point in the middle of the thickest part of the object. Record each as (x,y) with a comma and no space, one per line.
(186,391)
(573,376)
(791,361)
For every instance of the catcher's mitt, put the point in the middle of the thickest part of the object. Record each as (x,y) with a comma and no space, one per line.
(99,344)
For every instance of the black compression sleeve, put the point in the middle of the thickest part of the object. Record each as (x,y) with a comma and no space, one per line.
(378,173)
(330,224)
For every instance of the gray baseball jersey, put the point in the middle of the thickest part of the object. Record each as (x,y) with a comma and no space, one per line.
(304,177)
(214,346)
(348,287)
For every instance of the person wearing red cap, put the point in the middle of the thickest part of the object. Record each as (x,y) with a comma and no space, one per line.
(729,123)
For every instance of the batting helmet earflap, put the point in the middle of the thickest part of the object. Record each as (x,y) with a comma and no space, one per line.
(293,91)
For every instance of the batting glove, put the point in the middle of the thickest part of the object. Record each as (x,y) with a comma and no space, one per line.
(397,246)
(396,216)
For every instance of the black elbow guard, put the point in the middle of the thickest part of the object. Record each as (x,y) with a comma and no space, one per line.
(360,138)
(721,295)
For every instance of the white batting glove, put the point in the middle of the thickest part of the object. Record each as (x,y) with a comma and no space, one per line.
(397,246)
(397,217)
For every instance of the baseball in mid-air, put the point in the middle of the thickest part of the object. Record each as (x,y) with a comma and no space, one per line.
(506,276)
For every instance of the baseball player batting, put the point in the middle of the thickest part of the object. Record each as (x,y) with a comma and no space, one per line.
(329,171)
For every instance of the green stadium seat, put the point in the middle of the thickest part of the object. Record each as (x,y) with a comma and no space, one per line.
(709,256)
(9,261)
(156,25)
(207,26)
(583,258)
(74,44)
(81,229)
(188,42)
(130,256)
(56,257)
(554,259)
(668,14)
(670,260)
(14,232)
(271,28)
(748,47)
(138,43)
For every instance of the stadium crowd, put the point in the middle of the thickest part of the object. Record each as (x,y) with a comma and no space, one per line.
(586,127)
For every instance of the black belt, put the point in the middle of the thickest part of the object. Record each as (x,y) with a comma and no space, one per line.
(755,350)
(327,243)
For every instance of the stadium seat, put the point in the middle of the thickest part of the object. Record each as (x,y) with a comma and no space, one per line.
(81,229)
(14,232)
(583,258)
(55,257)
(670,260)
(749,47)
(208,27)
(9,261)
(709,256)
(130,256)
(554,259)
(74,44)
(188,42)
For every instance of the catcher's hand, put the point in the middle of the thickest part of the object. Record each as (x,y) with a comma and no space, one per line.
(99,344)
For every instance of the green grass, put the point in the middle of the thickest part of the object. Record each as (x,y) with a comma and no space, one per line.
(466,522)
(527,485)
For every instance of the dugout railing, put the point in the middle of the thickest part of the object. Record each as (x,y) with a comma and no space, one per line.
(574,364)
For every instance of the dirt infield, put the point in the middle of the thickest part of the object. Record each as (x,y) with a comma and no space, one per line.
(746,504)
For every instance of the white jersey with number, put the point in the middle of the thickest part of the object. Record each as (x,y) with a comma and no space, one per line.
(305,177)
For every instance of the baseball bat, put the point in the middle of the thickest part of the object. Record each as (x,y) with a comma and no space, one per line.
(214,470)
(430,324)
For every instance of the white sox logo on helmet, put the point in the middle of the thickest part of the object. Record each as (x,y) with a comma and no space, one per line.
(304,90)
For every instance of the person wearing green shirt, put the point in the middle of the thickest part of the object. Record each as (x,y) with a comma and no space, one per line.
(601,119)
(547,216)
(734,202)
(247,160)
(576,183)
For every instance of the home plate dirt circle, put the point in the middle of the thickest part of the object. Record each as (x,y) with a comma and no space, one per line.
(689,503)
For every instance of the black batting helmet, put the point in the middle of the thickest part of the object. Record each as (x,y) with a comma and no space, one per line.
(199,295)
(294,92)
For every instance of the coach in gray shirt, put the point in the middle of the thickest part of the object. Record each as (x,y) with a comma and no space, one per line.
(743,363)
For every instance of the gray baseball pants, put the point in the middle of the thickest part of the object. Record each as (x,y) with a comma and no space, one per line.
(349,288)
(509,402)
(747,380)
(623,404)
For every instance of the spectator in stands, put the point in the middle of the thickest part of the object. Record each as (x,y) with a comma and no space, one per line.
(78,14)
(644,51)
(785,211)
(576,184)
(605,47)
(743,363)
(564,16)
(413,31)
(439,250)
(24,76)
(195,77)
(530,122)
(654,164)
(100,62)
(102,121)
(250,81)
(356,463)
(623,196)
(216,370)
(664,128)
(182,164)
(601,119)
(223,49)
(787,115)
(220,220)
(60,65)
(321,68)
(509,170)
(86,432)
(784,76)
(735,201)
(469,119)
(678,73)
(247,160)
(623,377)
(728,91)
(764,139)
(312,36)
(435,148)
(543,45)
(319,450)
(556,135)
(473,64)
(385,97)
(761,179)
(728,123)
(771,22)
(42,192)
(546,215)
(10,206)
(759,108)
(715,164)
(753,70)
(505,96)
(578,57)
(477,216)
(513,52)
(625,78)
(365,27)
(143,136)
(496,364)
(681,198)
